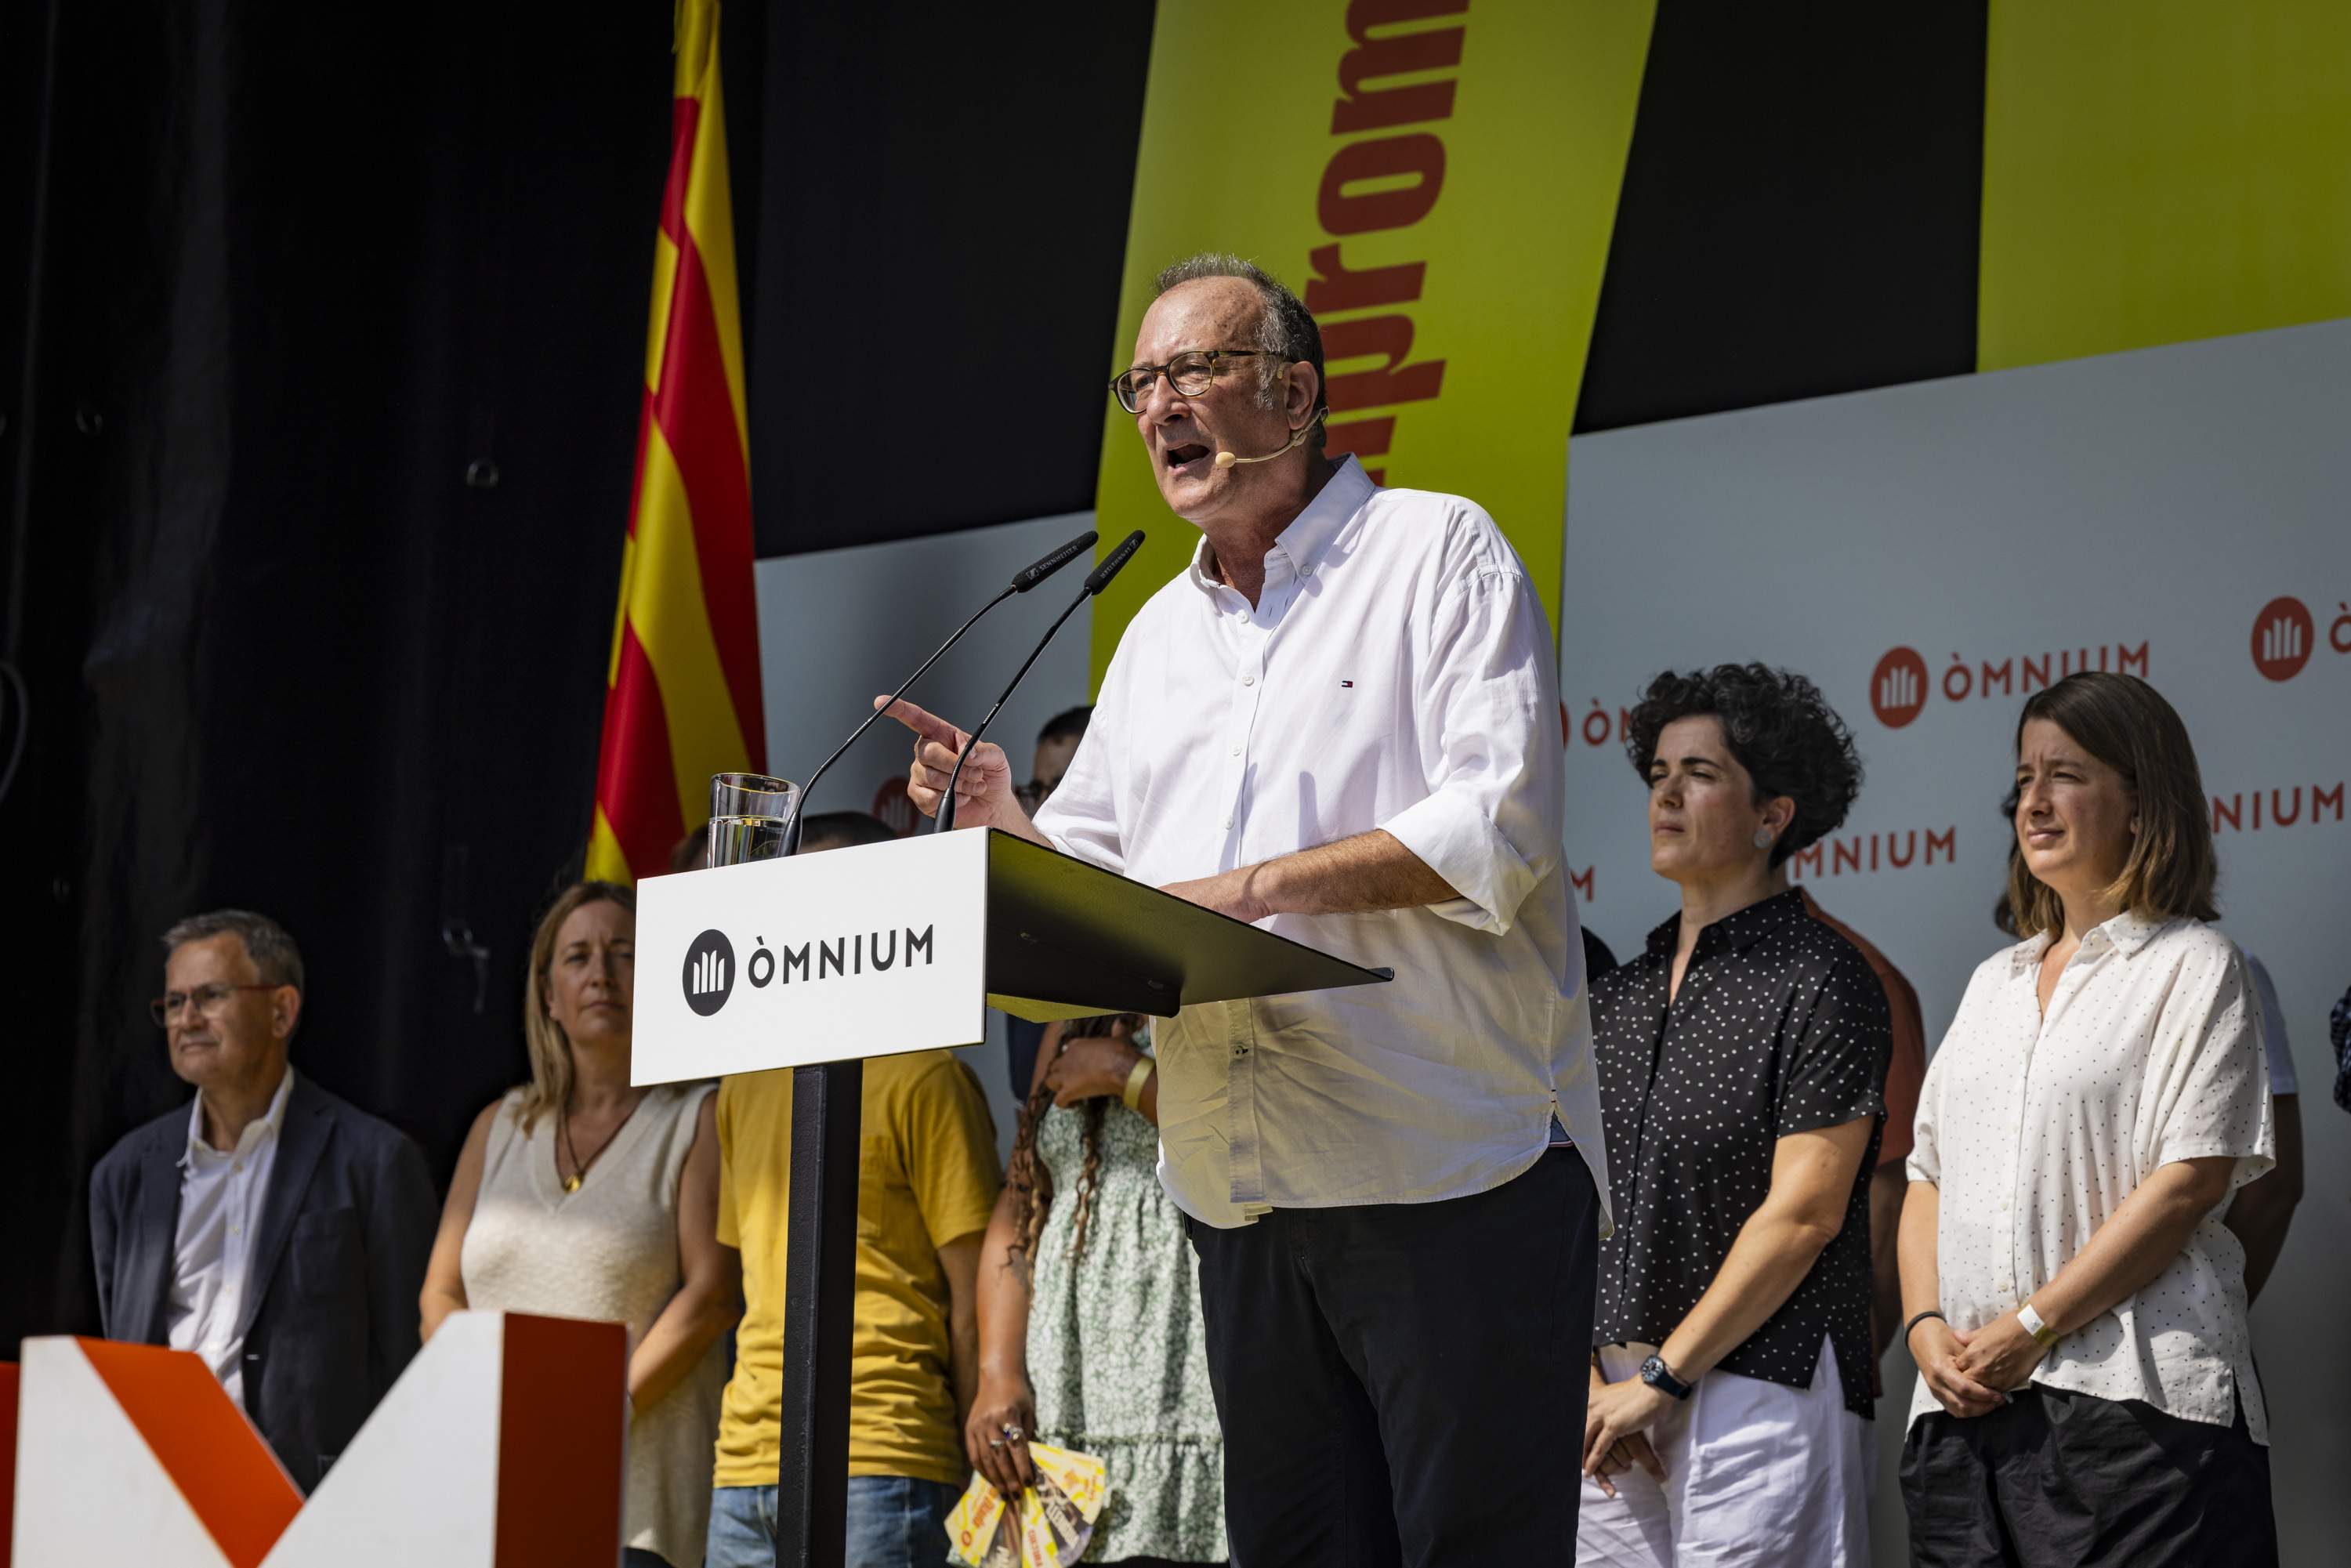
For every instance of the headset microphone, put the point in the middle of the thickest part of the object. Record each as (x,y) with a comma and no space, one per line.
(1226,460)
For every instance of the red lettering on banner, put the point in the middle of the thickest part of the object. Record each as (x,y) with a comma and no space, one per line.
(1582,882)
(1900,684)
(1381,337)
(1865,852)
(2277,808)
(1382,162)
(1381,183)
(1372,59)
(1367,438)
(1333,288)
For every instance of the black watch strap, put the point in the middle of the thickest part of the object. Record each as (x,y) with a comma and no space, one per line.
(1659,1376)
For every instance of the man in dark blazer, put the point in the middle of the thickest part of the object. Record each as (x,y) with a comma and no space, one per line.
(269,1226)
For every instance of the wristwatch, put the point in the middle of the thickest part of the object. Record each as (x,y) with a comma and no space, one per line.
(1659,1376)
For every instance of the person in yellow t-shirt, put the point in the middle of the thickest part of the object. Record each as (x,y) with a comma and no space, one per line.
(928,1180)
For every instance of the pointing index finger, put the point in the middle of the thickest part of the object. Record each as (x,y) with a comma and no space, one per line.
(929,726)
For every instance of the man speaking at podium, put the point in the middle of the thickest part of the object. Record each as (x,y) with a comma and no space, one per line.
(1341,722)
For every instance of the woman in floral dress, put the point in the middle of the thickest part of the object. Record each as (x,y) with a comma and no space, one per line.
(1089,1327)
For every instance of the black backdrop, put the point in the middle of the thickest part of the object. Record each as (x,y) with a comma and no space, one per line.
(319,441)
(319,414)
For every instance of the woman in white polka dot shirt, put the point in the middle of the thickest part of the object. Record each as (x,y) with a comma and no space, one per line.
(2075,1303)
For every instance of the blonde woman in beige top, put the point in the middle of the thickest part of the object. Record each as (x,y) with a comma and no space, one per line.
(577,1195)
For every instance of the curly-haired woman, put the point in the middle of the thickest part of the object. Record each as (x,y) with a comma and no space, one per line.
(1089,1327)
(1741,1059)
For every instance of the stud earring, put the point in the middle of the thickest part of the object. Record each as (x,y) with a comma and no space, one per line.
(1763,837)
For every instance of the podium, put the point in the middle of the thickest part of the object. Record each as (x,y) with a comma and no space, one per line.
(816,962)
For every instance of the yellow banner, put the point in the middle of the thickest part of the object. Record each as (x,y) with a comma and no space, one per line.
(2156,170)
(1438,183)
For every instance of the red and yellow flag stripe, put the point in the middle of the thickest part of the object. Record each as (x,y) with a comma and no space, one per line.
(682,690)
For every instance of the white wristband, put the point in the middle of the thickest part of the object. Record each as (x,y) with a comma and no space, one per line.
(2043,1334)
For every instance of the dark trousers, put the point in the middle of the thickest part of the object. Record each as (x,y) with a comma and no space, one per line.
(1403,1383)
(2057,1478)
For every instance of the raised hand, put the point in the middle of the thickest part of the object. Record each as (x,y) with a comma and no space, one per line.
(984,797)
(1092,1067)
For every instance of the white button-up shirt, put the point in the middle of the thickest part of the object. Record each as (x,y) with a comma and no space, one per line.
(221,1195)
(1397,673)
(2035,1130)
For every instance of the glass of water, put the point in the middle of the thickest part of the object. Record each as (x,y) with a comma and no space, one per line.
(747,813)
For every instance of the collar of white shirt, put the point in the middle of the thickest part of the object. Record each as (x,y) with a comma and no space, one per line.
(1300,545)
(2126,933)
(265,1127)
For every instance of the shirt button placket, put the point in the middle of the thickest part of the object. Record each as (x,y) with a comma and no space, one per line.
(1245,696)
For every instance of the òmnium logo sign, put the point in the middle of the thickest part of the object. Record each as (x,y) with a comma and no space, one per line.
(709,972)
(2283,638)
(1897,687)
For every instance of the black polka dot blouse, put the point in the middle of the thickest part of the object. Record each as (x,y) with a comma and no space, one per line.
(1780,1028)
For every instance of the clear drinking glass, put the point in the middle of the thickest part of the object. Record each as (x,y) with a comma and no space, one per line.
(747,813)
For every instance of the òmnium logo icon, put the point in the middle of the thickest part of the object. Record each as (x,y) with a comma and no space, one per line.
(709,972)
(1897,687)
(2281,638)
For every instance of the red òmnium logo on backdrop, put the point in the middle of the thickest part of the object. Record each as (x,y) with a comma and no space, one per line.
(2283,638)
(1897,687)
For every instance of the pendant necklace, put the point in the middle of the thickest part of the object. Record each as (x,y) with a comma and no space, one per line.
(579,1173)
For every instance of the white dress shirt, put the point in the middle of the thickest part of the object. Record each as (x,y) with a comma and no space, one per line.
(221,1195)
(1397,672)
(2035,1130)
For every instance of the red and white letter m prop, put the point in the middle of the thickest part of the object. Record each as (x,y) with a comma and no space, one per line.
(501,1447)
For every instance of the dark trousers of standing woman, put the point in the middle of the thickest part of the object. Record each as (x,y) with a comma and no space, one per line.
(1403,1383)
(2057,1478)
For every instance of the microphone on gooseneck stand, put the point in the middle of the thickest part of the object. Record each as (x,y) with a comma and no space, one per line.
(1027,577)
(1096,581)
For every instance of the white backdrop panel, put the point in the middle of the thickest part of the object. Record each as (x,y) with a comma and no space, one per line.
(838,627)
(1931,553)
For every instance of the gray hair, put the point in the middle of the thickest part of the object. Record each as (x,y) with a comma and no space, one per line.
(1285,330)
(266,942)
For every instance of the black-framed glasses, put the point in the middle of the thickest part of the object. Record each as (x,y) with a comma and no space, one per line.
(1190,373)
(208,1001)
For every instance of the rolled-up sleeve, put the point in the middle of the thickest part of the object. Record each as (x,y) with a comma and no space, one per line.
(1490,823)
(2208,1079)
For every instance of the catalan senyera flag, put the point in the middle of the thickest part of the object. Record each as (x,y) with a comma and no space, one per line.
(682,692)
